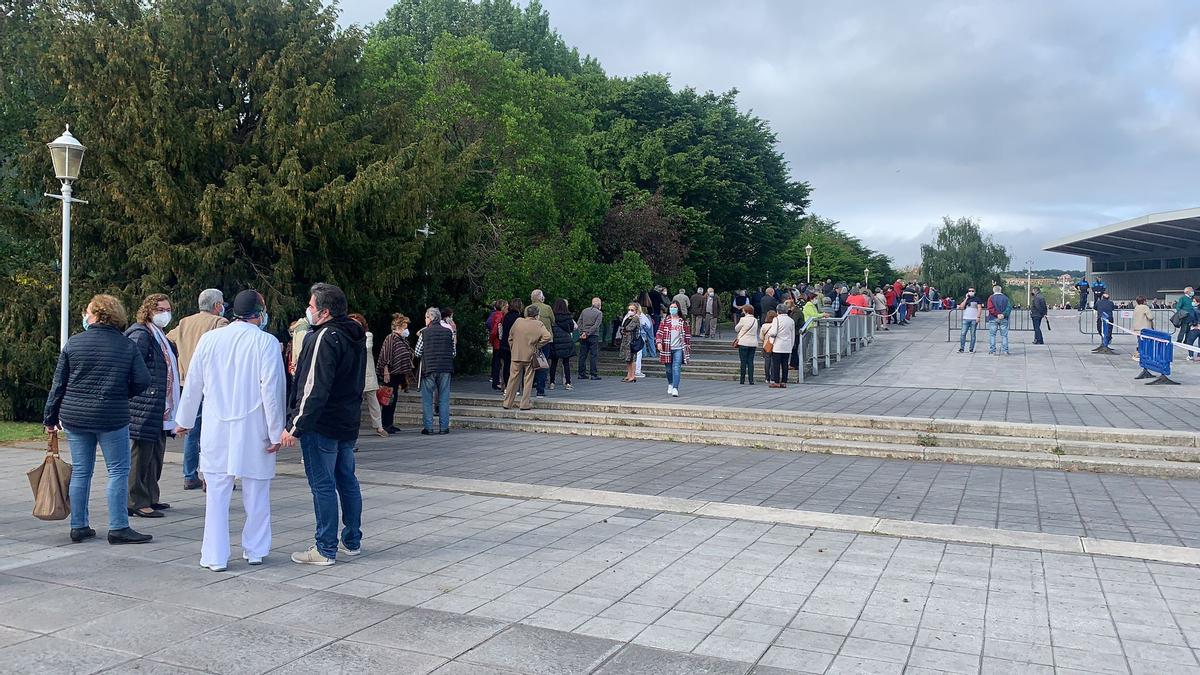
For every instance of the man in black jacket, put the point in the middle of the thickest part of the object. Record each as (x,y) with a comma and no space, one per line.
(324,415)
(1037,312)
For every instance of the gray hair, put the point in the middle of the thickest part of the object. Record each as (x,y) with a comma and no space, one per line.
(532,311)
(331,298)
(537,295)
(996,289)
(210,298)
(433,314)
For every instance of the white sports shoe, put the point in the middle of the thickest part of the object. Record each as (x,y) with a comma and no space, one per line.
(349,551)
(216,567)
(675,392)
(252,561)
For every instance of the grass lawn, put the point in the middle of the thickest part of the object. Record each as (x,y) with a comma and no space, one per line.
(20,431)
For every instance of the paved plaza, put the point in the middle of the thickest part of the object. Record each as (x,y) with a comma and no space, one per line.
(463,583)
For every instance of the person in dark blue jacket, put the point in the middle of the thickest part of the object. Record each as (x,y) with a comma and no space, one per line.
(1082,286)
(152,413)
(98,371)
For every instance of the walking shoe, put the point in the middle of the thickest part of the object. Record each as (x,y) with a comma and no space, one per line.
(960,351)
(773,385)
(127,535)
(193,484)
(381,432)
(443,432)
(216,567)
(569,387)
(426,432)
(160,506)
(551,386)
(392,431)
(595,377)
(146,514)
(78,534)
(540,395)
(252,561)
(311,557)
(348,551)
(640,375)
(670,389)
(675,392)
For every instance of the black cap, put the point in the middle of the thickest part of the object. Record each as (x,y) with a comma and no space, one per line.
(247,305)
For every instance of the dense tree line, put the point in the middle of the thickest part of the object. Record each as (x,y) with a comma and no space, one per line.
(254,142)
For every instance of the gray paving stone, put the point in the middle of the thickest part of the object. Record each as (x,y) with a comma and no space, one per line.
(59,608)
(350,657)
(541,651)
(637,660)
(243,647)
(144,629)
(53,655)
(673,639)
(329,614)
(430,632)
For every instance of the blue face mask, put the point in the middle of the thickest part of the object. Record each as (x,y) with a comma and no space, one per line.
(86,324)
(674,311)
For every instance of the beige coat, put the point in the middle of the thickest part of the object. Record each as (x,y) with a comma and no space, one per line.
(1142,318)
(526,337)
(187,334)
(747,331)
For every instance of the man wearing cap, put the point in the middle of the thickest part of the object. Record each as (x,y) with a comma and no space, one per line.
(186,336)
(238,371)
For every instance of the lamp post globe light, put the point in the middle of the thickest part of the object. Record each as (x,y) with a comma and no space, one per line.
(808,263)
(866,276)
(66,152)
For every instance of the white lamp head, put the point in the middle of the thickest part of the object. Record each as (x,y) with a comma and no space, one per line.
(67,154)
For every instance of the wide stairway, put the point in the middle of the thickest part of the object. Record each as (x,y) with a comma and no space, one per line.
(1171,454)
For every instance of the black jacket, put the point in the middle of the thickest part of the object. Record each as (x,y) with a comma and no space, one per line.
(506,325)
(98,372)
(564,328)
(330,376)
(1039,306)
(768,303)
(146,410)
(435,348)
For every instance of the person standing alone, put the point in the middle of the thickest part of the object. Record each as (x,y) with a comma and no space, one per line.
(185,336)
(238,371)
(1037,312)
(970,320)
(998,309)
(674,347)
(590,321)
(325,413)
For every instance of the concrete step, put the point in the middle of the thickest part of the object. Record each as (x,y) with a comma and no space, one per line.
(527,421)
(837,434)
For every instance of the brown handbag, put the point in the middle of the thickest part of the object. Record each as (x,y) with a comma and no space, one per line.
(51,481)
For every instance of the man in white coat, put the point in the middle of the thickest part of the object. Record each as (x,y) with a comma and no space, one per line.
(238,372)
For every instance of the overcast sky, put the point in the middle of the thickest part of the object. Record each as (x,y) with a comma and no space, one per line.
(1040,118)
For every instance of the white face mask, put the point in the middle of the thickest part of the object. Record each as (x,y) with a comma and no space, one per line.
(309,316)
(404,333)
(162,319)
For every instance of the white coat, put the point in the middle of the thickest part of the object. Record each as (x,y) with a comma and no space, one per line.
(783,332)
(372,380)
(238,371)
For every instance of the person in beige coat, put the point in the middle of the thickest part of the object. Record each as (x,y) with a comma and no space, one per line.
(371,381)
(525,340)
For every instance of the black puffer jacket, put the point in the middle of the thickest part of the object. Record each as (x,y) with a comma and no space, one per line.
(330,377)
(147,408)
(564,327)
(98,372)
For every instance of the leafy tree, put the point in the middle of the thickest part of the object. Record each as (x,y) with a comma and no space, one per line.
(646,229)
(961,257)
(836,255)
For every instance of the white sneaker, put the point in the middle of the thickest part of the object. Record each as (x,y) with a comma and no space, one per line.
(675,392)
(670,390)
(215,567)
(640,375)
(252,561)
(349,551)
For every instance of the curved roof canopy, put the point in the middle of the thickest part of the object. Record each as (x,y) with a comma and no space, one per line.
(1144,235)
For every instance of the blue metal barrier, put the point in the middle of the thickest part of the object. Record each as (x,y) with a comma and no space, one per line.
(1155,351)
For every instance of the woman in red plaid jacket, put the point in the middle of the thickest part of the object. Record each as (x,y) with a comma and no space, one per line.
(674,343)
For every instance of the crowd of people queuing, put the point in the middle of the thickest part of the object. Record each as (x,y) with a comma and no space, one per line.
(236,394)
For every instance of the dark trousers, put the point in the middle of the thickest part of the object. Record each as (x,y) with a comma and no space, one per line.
(768,366)
(1183,331)
(387,413)
(779,367)
(589,352)
(539,378)
(500,361)
(746,355)
(1037,330)
(145,468)
(566,364)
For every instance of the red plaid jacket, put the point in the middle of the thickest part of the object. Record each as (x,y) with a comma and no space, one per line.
(662,340)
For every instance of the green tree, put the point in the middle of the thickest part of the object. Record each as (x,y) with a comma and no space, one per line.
(961,257)
(835,255)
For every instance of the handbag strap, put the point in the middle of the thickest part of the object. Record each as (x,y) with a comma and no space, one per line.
(52,443)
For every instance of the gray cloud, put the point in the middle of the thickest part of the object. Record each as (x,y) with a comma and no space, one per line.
(1041,119)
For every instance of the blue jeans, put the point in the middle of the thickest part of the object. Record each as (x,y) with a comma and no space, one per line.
(191,449)
(969,326)
(903,315)
(115,446)
(674,367)
(329,466)
(1000,325)
(441,382)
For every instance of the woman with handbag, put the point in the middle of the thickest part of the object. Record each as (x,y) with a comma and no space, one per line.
(746,342)
(98,372)
(564,343)
(371,380)
(766,343)
(394,369)
(631,340)
(674,342)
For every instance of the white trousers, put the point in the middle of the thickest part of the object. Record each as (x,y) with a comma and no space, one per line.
(373,409)
(256,534)
(638,360)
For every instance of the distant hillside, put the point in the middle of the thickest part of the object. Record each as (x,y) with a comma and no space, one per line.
(1045,273)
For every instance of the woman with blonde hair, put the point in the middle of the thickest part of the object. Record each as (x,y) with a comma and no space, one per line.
(762,340)
(631,340)
(99,371)
(394,368)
